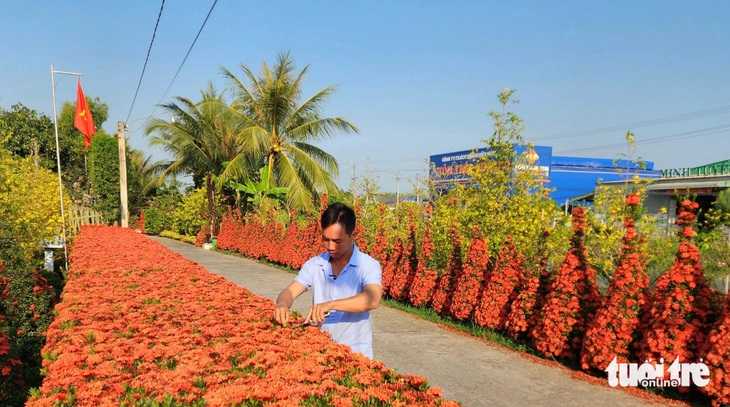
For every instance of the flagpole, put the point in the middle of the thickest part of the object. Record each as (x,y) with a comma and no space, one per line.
(58,157)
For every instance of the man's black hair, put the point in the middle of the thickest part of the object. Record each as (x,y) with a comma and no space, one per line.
(339,213)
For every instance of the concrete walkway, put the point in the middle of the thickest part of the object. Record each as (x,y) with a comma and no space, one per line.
(468,370)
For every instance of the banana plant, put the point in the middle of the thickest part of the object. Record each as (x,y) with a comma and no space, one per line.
(258,191)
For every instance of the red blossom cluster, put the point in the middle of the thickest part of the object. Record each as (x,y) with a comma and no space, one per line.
(525,309)
(139,224)
(9,374)
(202,236)
(500,291)
(405,269)
(616,327)
(425,279)
(718,360)
(443,291)
(139,324)
(392,266)
(268,240)
(681,311)
(572,302)
(359,232)
(379,249)
(469,284)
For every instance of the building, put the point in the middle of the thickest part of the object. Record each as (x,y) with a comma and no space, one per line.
(570,179)
(704,183)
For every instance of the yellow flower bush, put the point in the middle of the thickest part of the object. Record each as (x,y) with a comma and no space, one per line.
(29,203)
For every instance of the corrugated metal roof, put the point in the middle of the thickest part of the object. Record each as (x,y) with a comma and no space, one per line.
(658,186)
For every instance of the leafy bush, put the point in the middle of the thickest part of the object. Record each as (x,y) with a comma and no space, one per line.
(29,205)
(104,176)
(190,214)
(26,303)
(154,222)
(177,236)
(160,215)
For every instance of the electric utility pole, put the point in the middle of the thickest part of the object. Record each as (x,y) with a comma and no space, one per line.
(124,212)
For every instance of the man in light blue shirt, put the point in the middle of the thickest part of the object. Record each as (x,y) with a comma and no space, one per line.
(345,283)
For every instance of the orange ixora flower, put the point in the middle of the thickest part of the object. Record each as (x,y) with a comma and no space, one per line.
(617,323)
(494,303)
(139,324)
(681,312)
(572,302)
(468,284)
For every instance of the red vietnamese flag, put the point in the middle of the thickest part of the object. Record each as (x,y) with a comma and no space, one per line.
(82,119)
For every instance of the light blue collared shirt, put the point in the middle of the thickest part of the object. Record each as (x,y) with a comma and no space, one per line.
(353,329)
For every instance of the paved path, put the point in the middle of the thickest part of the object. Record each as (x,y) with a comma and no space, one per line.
(468,370)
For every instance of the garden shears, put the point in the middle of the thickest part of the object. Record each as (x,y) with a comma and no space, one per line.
(310,322)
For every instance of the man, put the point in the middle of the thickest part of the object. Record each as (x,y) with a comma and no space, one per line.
(345,283)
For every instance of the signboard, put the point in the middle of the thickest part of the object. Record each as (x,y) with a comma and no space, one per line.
(719,168)
(452,167)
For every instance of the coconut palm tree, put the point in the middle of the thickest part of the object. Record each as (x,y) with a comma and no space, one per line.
(278,130)
(202,139)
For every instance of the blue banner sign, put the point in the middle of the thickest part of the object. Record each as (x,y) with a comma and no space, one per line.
(452,167)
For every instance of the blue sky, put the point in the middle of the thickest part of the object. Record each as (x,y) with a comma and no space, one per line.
(417,77)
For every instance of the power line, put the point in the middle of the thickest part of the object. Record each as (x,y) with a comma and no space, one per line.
(145,60)
(183,61)
(672,137)
(645,123)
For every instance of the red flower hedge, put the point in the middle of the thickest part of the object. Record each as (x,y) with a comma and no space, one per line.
(469,284)
(573,301)
(425,279)
(268,240)
(379,249)
(392,266)
(525,309)
(10,375)
(681,309)
(616,327)
(718,360)
(405,272)
(443,292)
(140,325)
(501,290)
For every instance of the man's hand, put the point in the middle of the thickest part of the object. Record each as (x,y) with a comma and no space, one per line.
(281,315)
(317,312)
(285,300)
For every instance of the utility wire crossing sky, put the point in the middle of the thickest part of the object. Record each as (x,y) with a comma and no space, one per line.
(417,78)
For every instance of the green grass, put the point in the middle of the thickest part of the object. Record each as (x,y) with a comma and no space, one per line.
(468,327)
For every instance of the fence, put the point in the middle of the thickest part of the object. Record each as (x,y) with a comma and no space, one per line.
(81,215)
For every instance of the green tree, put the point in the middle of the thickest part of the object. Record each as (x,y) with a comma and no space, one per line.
(201,139)
(139,176)
(26,133)
(279,130)
(103,167)
(504,197)
(73,153)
